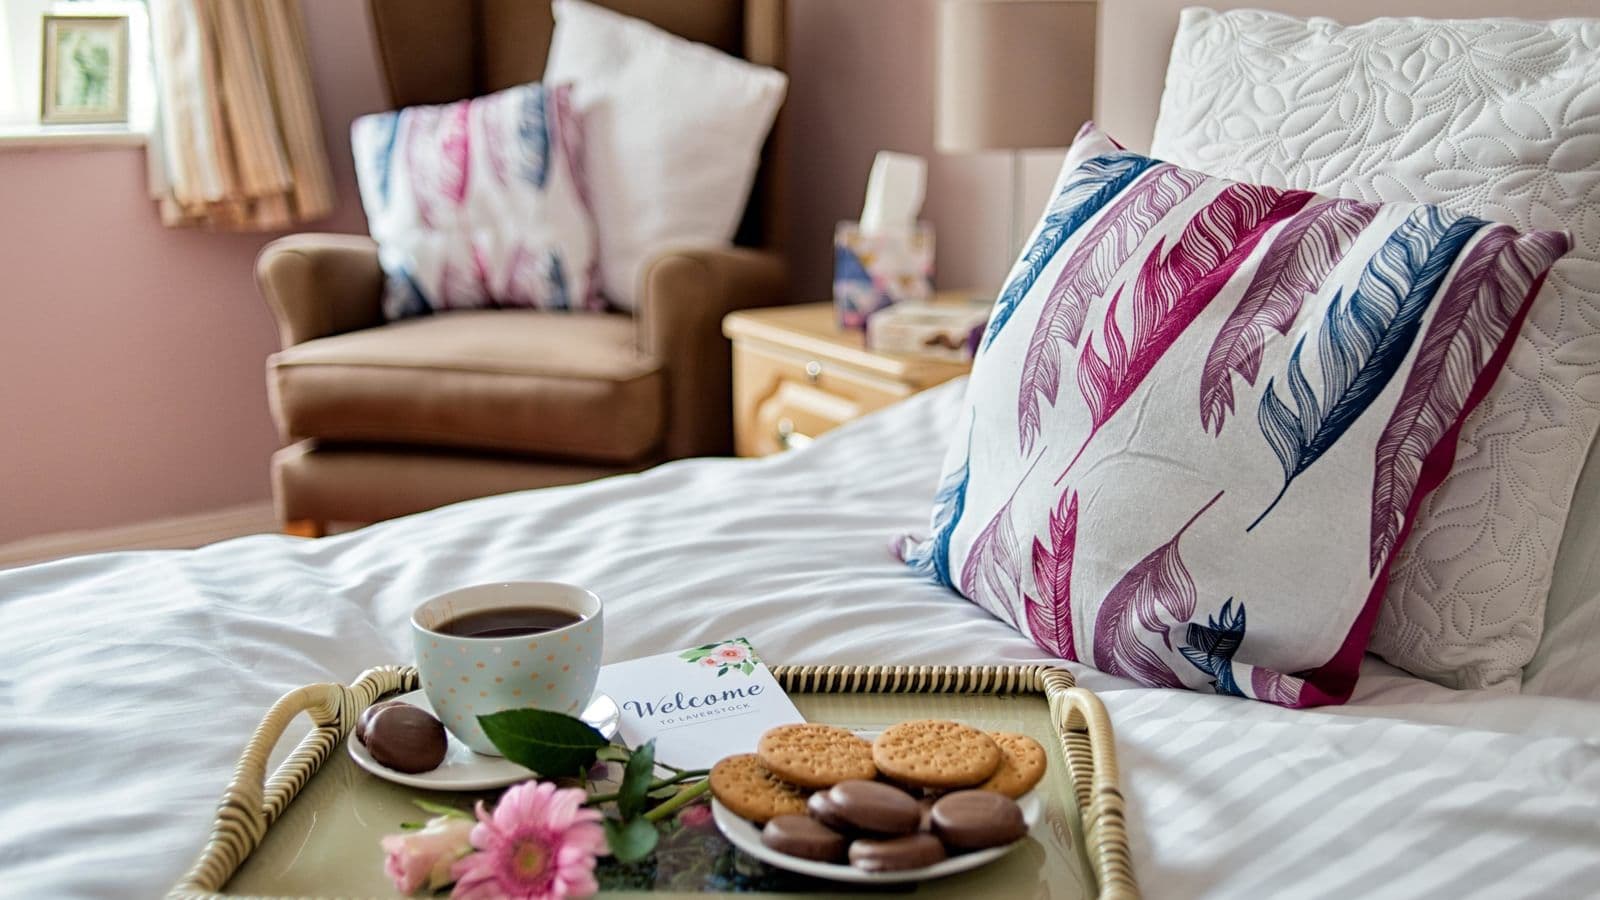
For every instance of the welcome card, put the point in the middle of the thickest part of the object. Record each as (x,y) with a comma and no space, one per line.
(699,704)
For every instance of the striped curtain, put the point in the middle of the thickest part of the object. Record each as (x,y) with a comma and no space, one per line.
(238,143)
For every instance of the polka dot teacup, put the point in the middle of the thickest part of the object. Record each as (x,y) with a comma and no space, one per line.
(467,675)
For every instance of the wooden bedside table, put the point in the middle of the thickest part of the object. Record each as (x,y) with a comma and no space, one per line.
(797,375)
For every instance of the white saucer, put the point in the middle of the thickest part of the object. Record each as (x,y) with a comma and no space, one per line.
(744,834)
(464,770)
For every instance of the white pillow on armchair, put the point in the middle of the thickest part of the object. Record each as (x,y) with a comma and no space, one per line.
(675,132)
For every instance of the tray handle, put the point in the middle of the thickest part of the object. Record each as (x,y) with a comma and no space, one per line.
(1085,730)
(252,801)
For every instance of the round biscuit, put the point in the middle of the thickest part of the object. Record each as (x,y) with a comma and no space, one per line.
(816,756)
(744,786)
(935,753)
(1022,764)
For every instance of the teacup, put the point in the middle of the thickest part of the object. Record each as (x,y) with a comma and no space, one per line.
(468,676)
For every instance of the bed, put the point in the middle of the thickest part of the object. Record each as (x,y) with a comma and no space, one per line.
(132,680)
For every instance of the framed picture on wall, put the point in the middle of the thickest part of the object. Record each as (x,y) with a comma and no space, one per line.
(85,70)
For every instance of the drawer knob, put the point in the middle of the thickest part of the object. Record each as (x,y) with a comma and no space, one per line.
(813,371)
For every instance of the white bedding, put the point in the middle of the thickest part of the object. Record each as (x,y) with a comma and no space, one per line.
(131,681)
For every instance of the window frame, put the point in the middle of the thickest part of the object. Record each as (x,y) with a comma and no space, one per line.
(22,61)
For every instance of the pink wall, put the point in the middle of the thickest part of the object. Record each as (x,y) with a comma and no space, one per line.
(131,379)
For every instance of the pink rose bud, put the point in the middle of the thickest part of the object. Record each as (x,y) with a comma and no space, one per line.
(696,816)
(422,859)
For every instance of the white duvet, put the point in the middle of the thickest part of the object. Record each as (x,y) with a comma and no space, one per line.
(130,682)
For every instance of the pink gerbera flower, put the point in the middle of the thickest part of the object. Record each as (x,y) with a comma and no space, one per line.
(540,844)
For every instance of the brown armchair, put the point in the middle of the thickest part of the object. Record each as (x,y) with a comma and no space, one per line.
(382,420)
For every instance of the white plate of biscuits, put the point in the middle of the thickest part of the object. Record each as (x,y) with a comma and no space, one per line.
(919,800)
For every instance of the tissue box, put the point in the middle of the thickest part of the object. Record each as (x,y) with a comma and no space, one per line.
(942,331)
(875,271)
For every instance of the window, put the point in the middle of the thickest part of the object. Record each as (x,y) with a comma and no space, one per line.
(21,63)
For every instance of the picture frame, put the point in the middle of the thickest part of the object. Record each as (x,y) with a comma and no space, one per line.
(85,70)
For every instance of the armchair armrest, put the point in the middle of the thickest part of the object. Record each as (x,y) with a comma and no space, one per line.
(321,284)
(686,294)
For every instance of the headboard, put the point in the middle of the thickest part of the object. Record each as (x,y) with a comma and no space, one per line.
(1136,38)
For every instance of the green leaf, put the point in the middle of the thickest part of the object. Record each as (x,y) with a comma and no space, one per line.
(663,792)
(747,667)
(722,671)
(633,841)
(439,809)
(612,753)
(550,743)
(636,779)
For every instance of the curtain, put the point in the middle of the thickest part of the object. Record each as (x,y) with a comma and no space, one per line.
(238,143)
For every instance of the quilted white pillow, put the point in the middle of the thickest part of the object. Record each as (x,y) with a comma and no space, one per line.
(1494,118)
(675,132)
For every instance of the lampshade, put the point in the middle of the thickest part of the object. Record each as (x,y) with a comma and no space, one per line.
(1014,74)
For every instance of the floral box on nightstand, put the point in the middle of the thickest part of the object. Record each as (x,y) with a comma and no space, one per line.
(947,331)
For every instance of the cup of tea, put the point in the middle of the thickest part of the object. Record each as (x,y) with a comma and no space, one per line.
(511,645)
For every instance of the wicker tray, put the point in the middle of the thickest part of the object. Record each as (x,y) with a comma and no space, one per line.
(328,841)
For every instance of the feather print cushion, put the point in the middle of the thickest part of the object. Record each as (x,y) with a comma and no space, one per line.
(480,203)
(1203,415)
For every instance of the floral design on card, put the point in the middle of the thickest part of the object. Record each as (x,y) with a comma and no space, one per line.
(724,656)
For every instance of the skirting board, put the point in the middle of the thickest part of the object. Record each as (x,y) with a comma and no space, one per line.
(175,533)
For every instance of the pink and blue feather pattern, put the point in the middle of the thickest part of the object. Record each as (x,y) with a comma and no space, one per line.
(1490,289)
(1211,647)
(1050,614)
(931,558)
(534,127)
(1154,597)
(437,158)
(1171,289)
(1362,343)
(499,213)
(388,126)
(1295,266)
(1089,189)
(992,574)
(517,133)
(1084,277)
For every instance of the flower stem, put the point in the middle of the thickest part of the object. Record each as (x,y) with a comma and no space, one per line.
(683,775)
(678,801)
